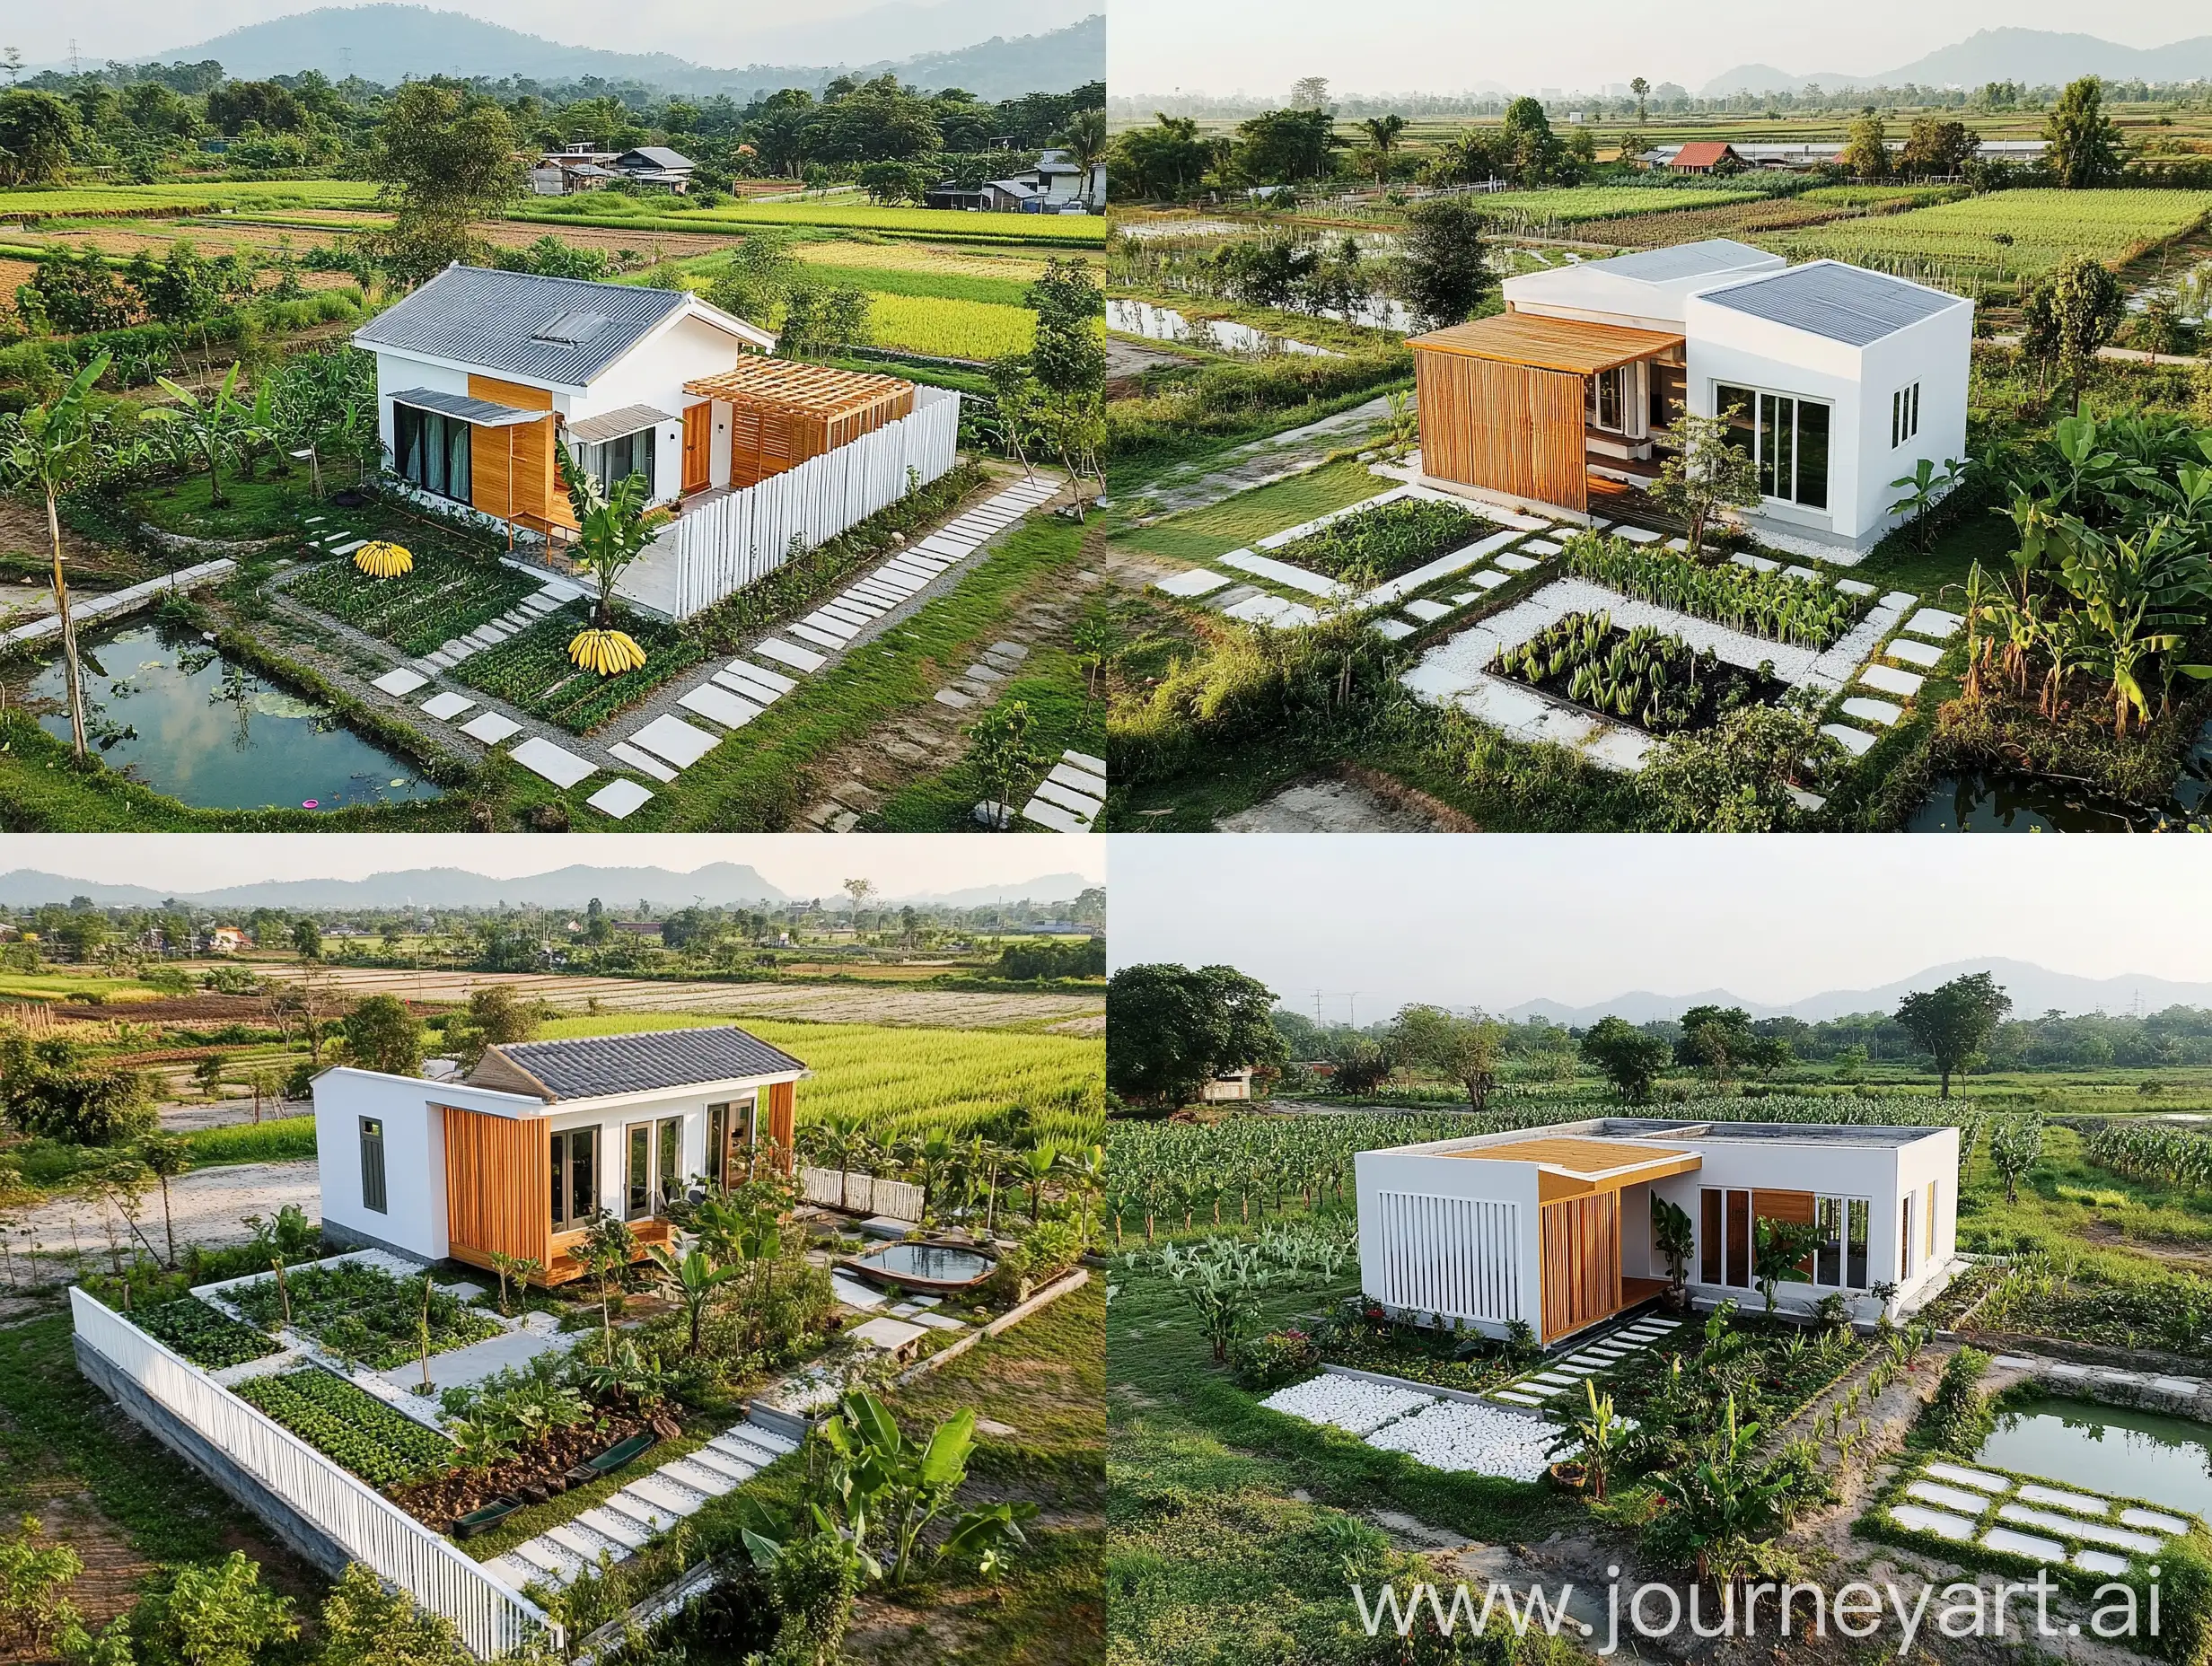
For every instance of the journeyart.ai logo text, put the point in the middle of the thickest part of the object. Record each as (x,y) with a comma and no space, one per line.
(2001,1610)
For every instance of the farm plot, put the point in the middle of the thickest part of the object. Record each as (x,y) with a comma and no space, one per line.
(75,201)
(953,226)
(447,595)
(1575,203)
(531,669)
(348,1425)
(947,328)
(207,1337)
(362,1312)
(1383,541)
(2009,233)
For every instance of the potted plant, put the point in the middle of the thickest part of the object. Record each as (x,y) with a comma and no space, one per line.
(1596,1434)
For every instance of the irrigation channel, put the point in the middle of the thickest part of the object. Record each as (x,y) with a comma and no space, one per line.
(162,703)
(2115,1450)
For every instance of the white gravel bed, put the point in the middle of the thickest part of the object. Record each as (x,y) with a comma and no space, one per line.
(1352,1404)
(1482,1440)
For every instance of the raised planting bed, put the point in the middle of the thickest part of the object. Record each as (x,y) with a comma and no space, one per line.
(209,1339)
(450,591)
(538,1472)
(531,669)
(1386,541)
(1641,676)
(362,1312)
(353,1428)
(1802,612)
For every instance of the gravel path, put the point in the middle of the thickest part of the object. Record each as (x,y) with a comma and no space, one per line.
(207,1207)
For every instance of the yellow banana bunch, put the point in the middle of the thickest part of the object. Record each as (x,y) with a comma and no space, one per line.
(607,651)
(383,560)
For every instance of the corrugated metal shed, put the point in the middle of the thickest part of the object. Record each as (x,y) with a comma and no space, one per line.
(506,322)
(1840,302)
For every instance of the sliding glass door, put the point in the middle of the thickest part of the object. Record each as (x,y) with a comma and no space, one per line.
(575,1178)
(1786,437)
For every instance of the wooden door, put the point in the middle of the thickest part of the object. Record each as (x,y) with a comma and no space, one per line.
(1581,1262)
(698,432)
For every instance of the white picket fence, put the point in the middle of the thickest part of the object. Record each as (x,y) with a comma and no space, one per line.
(863,1193)
(721,546)
(493,1618)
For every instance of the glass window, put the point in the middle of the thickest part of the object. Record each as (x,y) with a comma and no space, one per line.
(1904,1255)
(431,450)
(1858,1212)
(1828,1257)
(1605,399)
(638,1178)
(1787,438)
(1738,1259)
(612,461)
(1708,1236)
(575,1178)
(717,1141)
(670,1158)
(1738,404)
(373,1164)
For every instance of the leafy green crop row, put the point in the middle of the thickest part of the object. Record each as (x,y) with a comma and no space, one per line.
(207,1337)
(1762,604)
(445,595)
(531,669)
(382,1446)
(1371,545)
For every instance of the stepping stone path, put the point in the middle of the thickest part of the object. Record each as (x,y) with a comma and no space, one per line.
(728,698)
(2033,1519)
(1565,1376)
(1068,799)
(620,1526)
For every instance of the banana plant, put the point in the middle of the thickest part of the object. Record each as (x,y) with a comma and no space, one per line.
(212,427)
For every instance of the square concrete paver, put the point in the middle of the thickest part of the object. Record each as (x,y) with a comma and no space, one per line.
(492,728)
(618,798)
(676,740)
(1924,655)
(556,765)
(720,705)
(644,762)
(1891,680)
(1197,581)
(784,654)
(401,681)
(447,706)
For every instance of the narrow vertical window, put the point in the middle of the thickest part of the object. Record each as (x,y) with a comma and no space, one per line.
(1828,1257)
(373,1164)
(1904,1256)
(637,1180)
(1858,1211)
(1708,1236)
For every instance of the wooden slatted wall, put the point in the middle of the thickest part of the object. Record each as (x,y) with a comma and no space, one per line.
(782,1099)
(498,1184)
(1581,1262)
(1506,427)
(537,494)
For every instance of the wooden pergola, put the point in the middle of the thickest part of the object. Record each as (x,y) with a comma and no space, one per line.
(1502,400)
(783,412)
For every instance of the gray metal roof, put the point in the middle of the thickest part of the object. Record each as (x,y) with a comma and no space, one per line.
(629,419)
(563,331)
(482,413)
(1826,298)
(592,1066)
(660,156)
(1660,266)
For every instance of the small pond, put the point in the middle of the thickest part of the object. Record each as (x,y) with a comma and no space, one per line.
(1980,802)
(1158,323)
(945,1265)
(165,707)
(2114,1450)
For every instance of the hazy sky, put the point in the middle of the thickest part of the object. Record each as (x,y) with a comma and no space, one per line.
(803,865)
(1497,919)
(1446,45)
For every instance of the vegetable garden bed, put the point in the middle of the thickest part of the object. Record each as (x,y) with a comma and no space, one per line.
(209,1339)
(1386,541)
(1641,676)
(531,669)
(1760,604)
(348,1425)
(364,1313)
(450,592)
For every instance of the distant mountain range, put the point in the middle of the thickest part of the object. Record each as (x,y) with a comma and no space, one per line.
(2034,989)
(2033,56)
(993,49)
(722,884)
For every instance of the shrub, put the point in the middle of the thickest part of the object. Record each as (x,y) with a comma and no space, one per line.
(1958,1419)
(220,1614)
(1268,1362)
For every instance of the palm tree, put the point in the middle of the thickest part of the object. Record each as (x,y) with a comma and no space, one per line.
(613,528)
(841,1136)
(1084,137)
(49,452)
(1383,134)
(1037,1165)
(209,427)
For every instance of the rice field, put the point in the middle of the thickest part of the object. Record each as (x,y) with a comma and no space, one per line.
(952,224)
(1572,205)
(907,1079)
(2009,233)
(103,200)
(938,328)
(921,257)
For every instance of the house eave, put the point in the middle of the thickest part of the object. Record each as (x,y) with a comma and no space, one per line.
(642,1096)
(416,356)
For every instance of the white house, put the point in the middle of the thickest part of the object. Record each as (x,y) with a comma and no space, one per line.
(1553,1226)
(583,167)
(1841,379)
(478,369)
(543,1135)
(1057,184)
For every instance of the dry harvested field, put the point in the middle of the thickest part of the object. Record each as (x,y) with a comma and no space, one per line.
(954,1009)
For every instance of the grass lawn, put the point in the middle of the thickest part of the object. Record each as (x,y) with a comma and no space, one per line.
(1237,523)
(1898,562)
(1064,718)
(265,508)
(1235,1530)
(759,779)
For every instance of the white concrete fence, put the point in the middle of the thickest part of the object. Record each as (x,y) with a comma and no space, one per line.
(493,1618)
(720,546)
(861,1192)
